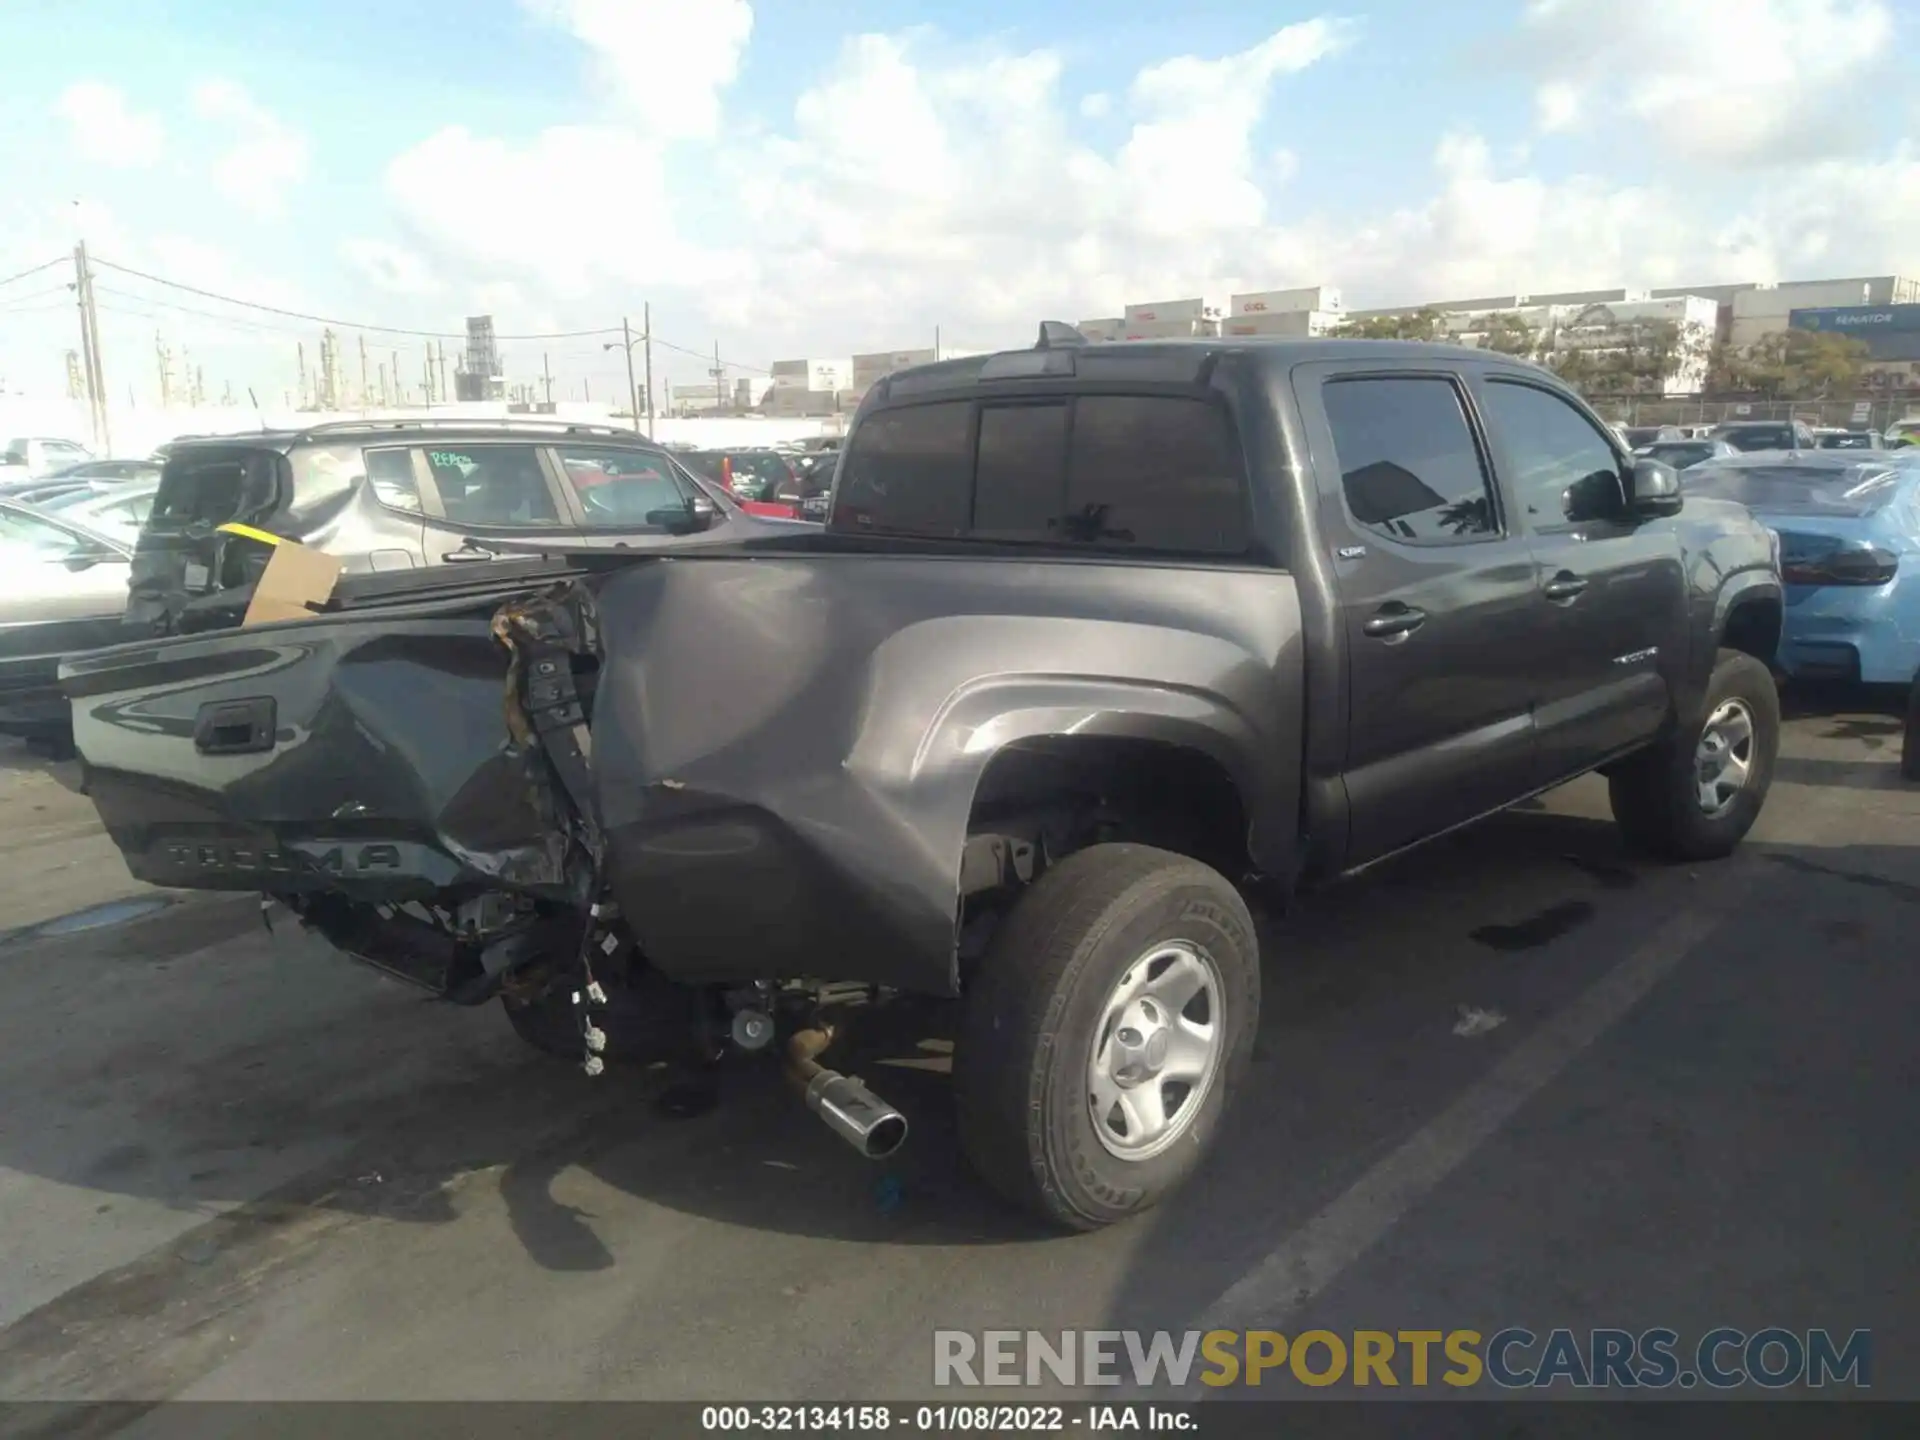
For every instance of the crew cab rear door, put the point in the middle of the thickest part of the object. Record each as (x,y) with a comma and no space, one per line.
(1438,600)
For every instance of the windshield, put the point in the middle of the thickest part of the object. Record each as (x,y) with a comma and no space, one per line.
(1848,442)
(1844,490)
(15,453)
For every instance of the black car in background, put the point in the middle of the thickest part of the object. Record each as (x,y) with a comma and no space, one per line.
(1765,434)
(1681,454)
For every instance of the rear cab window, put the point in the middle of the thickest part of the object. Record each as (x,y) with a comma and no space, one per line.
(1149,472)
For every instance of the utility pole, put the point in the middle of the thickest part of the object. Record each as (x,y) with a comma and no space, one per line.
(365,395)
(301,350)
(646,319)
(719,373)
(166,370)
(936,342)
(633,395)
(445,394)
(90,351)
(394,371)
(546,373)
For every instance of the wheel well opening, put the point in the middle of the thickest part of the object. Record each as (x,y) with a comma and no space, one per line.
(1063,793)
(1753,628)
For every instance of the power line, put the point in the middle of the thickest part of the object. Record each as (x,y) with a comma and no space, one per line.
(218,319)
(356,325)
(35,270)
(340,324)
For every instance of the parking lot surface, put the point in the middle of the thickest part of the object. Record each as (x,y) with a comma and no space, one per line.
(1516,1079)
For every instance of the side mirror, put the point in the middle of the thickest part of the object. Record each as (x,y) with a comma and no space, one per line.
(697,514)
(1655,490)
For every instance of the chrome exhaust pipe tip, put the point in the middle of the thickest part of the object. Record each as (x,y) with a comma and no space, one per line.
(856,1114)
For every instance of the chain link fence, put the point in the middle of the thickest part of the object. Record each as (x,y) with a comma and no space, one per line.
(1854,413)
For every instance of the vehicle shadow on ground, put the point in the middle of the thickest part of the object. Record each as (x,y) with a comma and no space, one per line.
(247,1052)
(1371,948)
(39,757)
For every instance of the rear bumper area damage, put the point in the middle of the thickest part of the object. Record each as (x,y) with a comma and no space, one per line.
(394,766)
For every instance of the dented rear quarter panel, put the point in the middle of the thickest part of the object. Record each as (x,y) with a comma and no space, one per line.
(786,750)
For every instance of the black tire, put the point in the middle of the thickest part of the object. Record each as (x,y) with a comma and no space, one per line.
(1910,742)
(547,1024)
(644,1022)
(1021,1088)
(1655,796)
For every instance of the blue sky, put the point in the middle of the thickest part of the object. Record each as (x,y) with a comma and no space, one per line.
(857,173)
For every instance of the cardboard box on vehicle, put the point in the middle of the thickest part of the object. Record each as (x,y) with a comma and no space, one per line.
(295,584)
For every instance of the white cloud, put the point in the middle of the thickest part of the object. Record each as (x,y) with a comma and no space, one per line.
(1557,104)
(1096,106)
(105,129)
(1716,81)
(391,268)
(665,62)
(262,157)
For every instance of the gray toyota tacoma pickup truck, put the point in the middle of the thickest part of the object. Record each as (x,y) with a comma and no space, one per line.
(1098,643)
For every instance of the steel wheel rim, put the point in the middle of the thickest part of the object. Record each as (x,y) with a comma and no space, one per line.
(1156,1050)
(1723,760)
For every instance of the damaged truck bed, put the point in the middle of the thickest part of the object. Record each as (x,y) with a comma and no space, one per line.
(1096,642)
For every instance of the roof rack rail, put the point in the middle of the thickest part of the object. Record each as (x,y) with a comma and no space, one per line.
(1057,334)
(477,422)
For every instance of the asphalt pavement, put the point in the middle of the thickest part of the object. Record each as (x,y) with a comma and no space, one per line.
(1518,1079)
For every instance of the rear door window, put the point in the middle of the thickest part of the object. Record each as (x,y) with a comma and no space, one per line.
(1409,466)
(493,485)
(625,488)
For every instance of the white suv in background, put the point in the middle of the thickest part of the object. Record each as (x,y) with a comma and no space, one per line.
(29,459)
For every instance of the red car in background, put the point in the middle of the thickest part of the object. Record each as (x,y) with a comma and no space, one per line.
(763,482)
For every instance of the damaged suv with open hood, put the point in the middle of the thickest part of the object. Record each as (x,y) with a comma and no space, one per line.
(1097,642)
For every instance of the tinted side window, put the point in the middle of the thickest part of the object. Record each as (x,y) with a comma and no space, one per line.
(1408,462)
(623,487)
(1158,471)
(493,485)
(1564,472)
(1020,482)
(909,471)
(390,472)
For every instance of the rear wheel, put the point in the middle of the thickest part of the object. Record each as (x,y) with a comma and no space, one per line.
(1697,794)
(1106,1032)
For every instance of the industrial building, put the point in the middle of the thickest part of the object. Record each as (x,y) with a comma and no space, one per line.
(1891,334)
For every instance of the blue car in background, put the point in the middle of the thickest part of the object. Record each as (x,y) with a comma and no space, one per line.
(1849,528)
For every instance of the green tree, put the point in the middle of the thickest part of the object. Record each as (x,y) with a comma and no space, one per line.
(1794,365)
(1635,358)
(1422,324)
(1508,334)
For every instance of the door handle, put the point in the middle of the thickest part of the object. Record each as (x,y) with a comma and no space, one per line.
(236,727)
(1565,588)
(466,554)
(1394,622)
